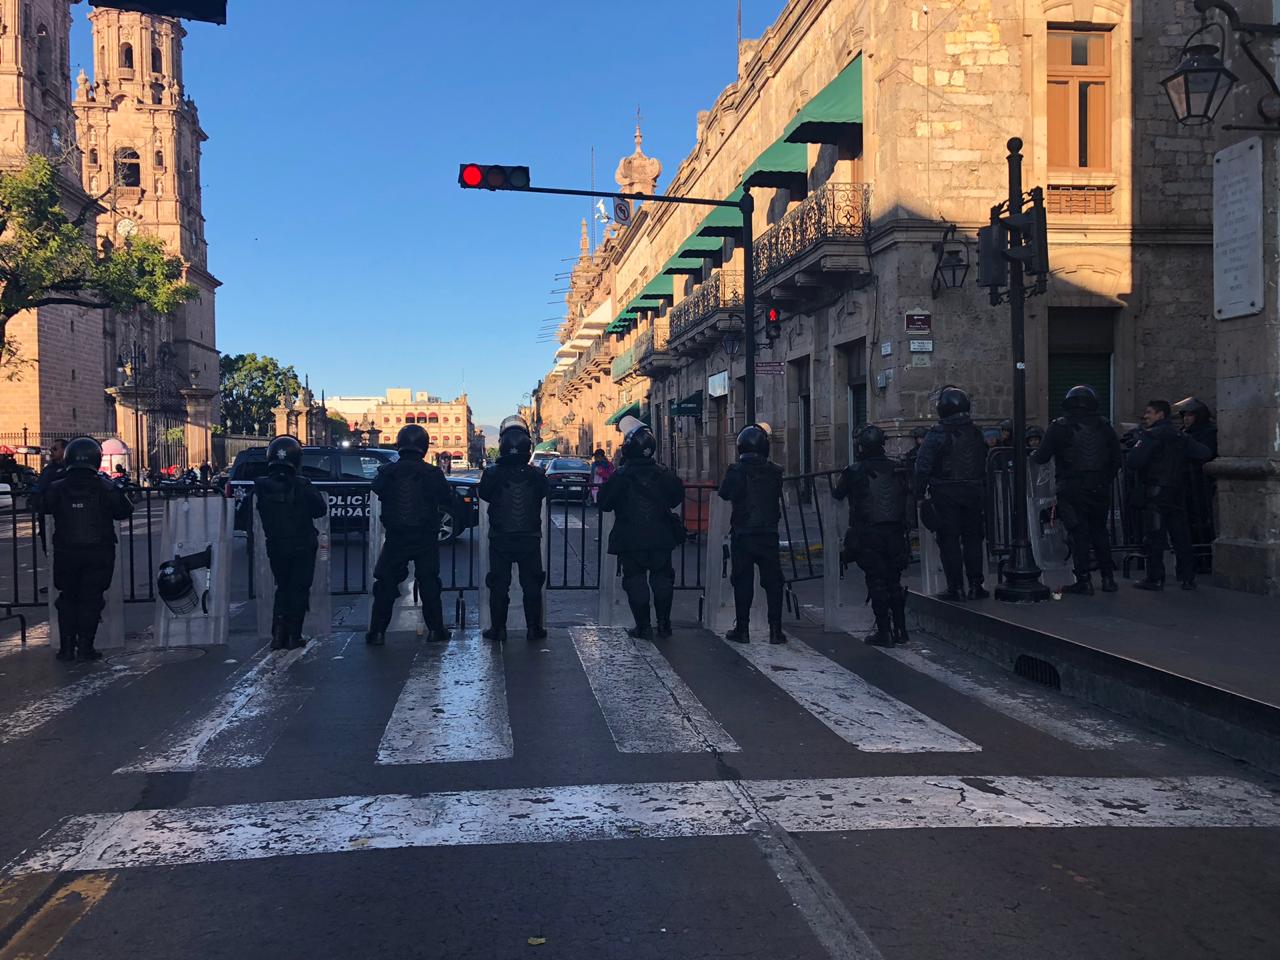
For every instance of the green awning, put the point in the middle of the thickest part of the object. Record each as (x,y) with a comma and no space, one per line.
(546,446)
(660,287)
(626,410)
(834,114)
(723,221)
(783,165)
(681,265)
(702,248)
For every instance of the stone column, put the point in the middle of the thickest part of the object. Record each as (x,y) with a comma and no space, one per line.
(199,433)
(132,404)
(282,414)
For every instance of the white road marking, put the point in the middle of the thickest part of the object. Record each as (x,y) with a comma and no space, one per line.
(853,709)
(1024,703)
(567,522)
(718,808)
(453,706)
(242,725)
(27,719)
(648,708)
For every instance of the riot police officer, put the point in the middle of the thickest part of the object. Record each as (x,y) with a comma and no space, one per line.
(951,469)
(84,507)
(1197,423)
(642,493)
(1086,452)
(876,487)
(1160,459)
(514,490)
(413,492)
(754,486)
(288,504)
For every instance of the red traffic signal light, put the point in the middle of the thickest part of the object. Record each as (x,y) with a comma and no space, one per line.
(476,176)
(772,324)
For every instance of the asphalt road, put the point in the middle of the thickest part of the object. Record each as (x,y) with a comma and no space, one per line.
(595,797)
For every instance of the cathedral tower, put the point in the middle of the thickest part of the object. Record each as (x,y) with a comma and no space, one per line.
(35,102)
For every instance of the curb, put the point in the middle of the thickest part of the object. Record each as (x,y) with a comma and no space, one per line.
(1207,715)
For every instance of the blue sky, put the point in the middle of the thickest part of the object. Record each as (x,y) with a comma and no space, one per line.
(334,217)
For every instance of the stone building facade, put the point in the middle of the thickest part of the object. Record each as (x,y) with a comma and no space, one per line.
(131,141)
(448,422)
(864,129)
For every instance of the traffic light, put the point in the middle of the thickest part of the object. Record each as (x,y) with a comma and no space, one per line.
(993,268)
(772,323)
(477,176)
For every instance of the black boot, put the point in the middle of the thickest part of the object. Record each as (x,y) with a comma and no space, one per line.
(496,634)
(978,592)
(1149,585)
(775,633)
(898,613)
(1083,585)
(533,619)
(1109,584)
(535,634)
(951,594)
(84,645)
(641,632)
(740,633)
(296,640)
(279,635)
(375,638)
(883,637)
(66,648)
(438,634)
(664,628)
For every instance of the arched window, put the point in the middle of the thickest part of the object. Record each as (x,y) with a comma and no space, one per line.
(433,418)
(157,94)
(410,419)
(128,168)
(126,56)
(457,419)
(157,60)
(44,53)
(160,159)
(93,156)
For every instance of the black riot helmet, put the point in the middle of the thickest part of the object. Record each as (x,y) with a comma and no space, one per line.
(753,443)
(176,586)
(869,441)
(1191,405)
(951,401)
(639,444)
(514,439)
(83,453)
(1081,399)
(284,453)
(1034,432)
(412,441)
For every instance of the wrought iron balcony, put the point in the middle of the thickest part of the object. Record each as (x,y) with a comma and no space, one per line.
(652,356)
(704,314)
(825,234)
(623,365)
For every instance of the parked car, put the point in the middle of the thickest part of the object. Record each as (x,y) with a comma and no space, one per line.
(570,479)
(542,458)
(346,474)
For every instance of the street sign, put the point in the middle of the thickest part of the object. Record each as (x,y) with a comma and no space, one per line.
(622,212)
(922,346)
(920,321)
(686,409)
(770,368)
(886,349)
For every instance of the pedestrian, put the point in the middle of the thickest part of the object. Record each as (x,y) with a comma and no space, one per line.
(288,505)
(601,471)
(1086,454)
(1006,434)
(1160,460)
(1034,435)
(84,508)
(754,486)
(206,472)
(413,493)
(515,491)
(642,493)
(51,472)
(877,490)
(949,477)
(1197,422)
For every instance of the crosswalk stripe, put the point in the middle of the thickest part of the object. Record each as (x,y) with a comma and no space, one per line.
(453,706)
(718,808)
(853,709)
(26,720)
(242,725)
(647,707)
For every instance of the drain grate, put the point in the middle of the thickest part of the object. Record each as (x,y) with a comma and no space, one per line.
(1038,671)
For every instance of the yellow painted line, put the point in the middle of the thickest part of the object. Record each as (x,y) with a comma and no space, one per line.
(40,935)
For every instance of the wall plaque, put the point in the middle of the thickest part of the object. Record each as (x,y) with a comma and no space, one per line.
(1237,230)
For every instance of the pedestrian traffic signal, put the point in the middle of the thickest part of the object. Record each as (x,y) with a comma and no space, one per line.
(476,176)
(772,324)
(993,267)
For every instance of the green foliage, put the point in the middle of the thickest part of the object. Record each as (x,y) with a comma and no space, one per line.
(338,427)
(251,389)
(46,259)
(175,436)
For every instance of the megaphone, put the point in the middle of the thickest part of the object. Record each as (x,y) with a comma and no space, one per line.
(176,586)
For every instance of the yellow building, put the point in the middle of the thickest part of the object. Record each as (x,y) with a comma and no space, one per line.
(448,422)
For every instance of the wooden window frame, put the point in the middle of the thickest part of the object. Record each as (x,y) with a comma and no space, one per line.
(1073,76)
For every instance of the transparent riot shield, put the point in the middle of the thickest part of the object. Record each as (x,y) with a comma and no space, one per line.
(319,604)
(111,630)
(515,611)
(720,612)
(932,578)
(376,537)
(1049,543)
(191,526)
(614,610)
(835,585)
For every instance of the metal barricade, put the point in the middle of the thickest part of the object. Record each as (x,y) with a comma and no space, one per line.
(572,542)
(806,498)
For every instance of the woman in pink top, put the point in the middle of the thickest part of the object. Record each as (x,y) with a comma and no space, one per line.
(601,470)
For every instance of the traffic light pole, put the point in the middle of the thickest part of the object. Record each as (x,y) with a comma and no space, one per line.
(1020,581)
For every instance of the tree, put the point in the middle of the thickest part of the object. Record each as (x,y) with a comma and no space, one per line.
(46,258)
(338,427)
(251,390)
